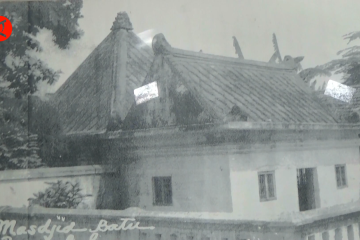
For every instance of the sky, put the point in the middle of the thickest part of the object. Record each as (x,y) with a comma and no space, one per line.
(309,28)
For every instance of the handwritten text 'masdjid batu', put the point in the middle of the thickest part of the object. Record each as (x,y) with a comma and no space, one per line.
(8,229)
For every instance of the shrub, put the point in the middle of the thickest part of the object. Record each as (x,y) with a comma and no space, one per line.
(59,195)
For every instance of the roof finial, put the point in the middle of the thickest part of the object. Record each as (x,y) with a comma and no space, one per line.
(160,45)
(122,21)
(237,48)
(276,55)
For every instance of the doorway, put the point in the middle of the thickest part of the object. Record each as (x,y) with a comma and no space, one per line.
(306,188)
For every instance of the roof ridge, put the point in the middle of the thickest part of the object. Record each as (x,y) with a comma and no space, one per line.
(225,59)
(162,47)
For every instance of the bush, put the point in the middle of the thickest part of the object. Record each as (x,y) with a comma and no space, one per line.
(59,195)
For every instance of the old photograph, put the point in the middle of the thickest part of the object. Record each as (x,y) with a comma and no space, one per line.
(180,120)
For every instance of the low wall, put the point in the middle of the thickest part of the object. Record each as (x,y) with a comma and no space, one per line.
(126,224)
(17,186)
(134,223)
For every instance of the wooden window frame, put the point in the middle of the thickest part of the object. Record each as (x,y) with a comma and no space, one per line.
(266,173)
(163,194)
(342,185)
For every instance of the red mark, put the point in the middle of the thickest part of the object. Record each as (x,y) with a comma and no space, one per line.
(5,28)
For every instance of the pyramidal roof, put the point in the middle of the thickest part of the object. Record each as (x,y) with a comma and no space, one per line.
(223,87)
(99,93)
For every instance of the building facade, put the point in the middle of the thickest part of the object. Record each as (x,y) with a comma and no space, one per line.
(226,139)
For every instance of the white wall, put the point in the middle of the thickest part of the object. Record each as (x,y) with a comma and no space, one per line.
(199,183)
(246,200)
(330,195)
(229,182)
(244,170)
(17,186)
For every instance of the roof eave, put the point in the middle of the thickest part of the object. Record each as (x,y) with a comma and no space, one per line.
(233,126)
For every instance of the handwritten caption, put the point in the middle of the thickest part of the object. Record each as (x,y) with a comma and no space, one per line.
(9,230)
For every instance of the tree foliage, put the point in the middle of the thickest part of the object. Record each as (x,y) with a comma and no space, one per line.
(44,121)
(310,73)
(349,63)
(18,149)
(30,133)
(19,66)
(59,195)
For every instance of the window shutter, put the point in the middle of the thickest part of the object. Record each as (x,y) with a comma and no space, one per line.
(338,179)
(262,186)
(270,183)
(158,190)
(167,191)
(343,176)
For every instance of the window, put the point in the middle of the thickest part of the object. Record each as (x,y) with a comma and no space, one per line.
(267,186)
(340,176)
(162,191)
(307,183)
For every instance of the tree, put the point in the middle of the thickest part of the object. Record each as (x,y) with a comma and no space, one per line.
(44,121)
(22,70)
(30,133)
(18,66)
(349,63)
(18,149)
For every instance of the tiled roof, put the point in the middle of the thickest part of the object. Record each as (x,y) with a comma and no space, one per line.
(85,100)
(262,91)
